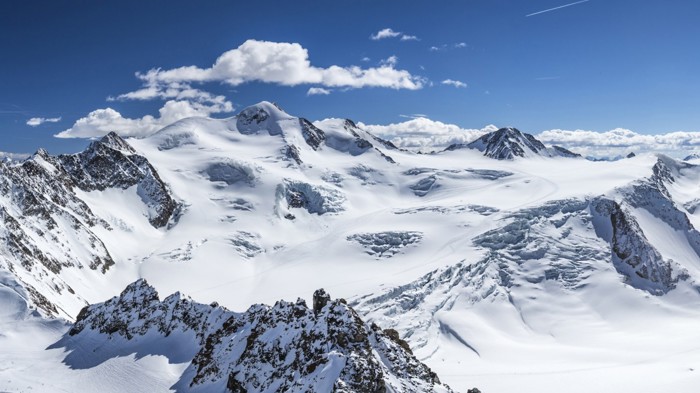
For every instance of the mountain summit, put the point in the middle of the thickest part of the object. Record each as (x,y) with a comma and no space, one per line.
(509,143)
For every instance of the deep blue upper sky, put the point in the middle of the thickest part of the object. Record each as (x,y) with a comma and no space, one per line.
(596,65)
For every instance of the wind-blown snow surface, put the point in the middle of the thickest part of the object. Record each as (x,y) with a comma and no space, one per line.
(542,274)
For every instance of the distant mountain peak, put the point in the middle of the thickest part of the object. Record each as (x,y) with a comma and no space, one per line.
(509,143)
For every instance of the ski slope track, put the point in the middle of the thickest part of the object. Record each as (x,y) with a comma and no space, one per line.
(502,264)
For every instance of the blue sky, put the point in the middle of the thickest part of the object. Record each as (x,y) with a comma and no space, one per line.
(596,65)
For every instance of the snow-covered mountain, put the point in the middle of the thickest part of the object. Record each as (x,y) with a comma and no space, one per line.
(286,347)
(509,143)
(535,270)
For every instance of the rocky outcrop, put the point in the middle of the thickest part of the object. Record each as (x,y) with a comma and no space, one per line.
(285,347)
(45,227)
(313,198)
(510,143)
(112,163)
(633,255)
(386,244)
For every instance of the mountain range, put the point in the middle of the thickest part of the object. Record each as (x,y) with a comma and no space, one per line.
(498,264)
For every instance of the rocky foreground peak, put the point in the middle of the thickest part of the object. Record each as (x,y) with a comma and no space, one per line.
(285,347)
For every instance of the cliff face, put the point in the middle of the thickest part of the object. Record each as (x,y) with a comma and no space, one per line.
(285,347)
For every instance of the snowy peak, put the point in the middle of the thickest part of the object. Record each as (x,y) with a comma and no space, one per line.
(112,163)
(285,347)
(262,116)
(114,141)
(509,143)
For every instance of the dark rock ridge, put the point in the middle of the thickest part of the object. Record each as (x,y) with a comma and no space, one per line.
(315,199)
(112,163)
(285,347)
(266,117)
(509,143)
(44,225)
(632,253)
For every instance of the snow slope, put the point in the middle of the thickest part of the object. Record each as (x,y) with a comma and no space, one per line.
(542,272)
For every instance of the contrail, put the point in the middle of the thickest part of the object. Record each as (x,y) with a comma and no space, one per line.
(556,8)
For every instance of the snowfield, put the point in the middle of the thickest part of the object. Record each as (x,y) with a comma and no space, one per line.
(539,272)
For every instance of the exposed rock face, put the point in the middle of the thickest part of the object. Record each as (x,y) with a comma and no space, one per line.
(509,143)
(633,254)
(44,225)
(286,347)
(312,198)
(558,151)
(312,134)
(112,163)
(386,244)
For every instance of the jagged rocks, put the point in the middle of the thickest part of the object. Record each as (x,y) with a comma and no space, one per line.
(313,136)
(246,244)
(386,244)
(510,143)
(112,163)
(320,299)
(312,198)
(286,347)
(633,255)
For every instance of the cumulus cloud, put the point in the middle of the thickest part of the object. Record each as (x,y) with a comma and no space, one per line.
(315,91)
(37,121)
(280,63)
(422,133)
(390,61)
(621,141)
(390,33)
(425,134)
(455,83)
(102,121)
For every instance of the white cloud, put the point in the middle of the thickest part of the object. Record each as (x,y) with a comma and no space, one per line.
(102,121)
(280,63)
(390,61)
(413,116)
(621,141)
(444,47)
(37,121)
(426,134)
(314,91)
(366,59)
(385,33)
(455,83)
(5,156)
(390,33)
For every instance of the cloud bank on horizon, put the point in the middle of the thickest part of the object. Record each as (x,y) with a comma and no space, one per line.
(424,134)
